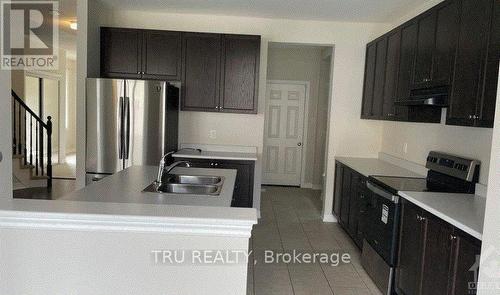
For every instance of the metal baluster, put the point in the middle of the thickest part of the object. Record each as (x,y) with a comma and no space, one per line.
(31,140)
(20,139)
(14,139)
(49,151)
(42,148)
(36,150)
(25,138)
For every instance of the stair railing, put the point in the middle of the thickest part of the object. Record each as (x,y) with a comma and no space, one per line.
(28,127)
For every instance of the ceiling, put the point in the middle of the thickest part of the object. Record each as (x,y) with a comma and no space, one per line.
(331,10)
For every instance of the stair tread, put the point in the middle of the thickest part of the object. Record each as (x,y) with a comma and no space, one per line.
(17,156)
(39,177)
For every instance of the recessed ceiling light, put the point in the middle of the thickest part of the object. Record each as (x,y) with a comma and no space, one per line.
(73,25)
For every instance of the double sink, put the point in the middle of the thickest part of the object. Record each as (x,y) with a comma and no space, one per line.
(188,184)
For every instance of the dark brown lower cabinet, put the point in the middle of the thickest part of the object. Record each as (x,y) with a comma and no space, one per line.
(434,256)
(466,251)
(243,187)
(436,262)
(349,201)
(411,244)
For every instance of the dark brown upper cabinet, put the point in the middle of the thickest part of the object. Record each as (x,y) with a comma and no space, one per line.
(426,38)
(240,73)
(220,73)
(201,61)
(161,58)
(407,59)
(436,45)
(378,86)
(120,53)
(473,95)
(132,53)
(373,93)
(389,110)
(367,107)
(455,44)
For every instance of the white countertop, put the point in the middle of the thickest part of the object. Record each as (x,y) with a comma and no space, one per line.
(126,187)
(216,155)
(374,166)
(463,211)
(117,203)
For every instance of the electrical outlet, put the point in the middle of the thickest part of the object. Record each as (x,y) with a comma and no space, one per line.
(405,148)
(212,134)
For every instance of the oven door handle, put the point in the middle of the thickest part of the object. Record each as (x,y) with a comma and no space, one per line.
(381,192)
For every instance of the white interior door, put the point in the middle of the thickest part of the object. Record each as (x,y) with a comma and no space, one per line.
(284,131)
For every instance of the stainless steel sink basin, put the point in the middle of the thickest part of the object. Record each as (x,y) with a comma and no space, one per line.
(188,184)
(193,179)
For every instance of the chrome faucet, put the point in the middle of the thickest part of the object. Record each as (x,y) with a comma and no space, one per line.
(162,169)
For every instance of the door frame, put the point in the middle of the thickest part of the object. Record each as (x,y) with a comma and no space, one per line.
(305,125)
(61,108)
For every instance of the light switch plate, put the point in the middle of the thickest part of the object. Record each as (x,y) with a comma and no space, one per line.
(212,134)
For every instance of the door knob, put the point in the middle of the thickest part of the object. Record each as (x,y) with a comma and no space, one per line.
(299,144)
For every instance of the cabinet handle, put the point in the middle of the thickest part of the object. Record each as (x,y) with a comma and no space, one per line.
(221,108)
(453,237)
(217,107)
(362,196)
(216,164)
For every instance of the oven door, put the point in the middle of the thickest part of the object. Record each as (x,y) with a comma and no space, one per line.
(382,222)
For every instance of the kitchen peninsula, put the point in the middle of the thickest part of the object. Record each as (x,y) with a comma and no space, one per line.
(102,239)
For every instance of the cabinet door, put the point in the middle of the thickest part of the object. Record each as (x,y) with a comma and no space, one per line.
(354,203)
(390,111)
(469,62)
(437,256)
(425,47)
(240,74)
(371,54)
(120,53)
(487,105)
(407,58)
(161,55)
(243,187)
(346,196)
(447,26)
(201,72)
(378,87)
(466,251)
(337,198)
(409,269)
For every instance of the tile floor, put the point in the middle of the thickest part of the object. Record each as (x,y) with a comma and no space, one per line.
(291,220)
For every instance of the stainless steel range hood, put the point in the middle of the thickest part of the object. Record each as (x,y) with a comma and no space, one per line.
(436,96)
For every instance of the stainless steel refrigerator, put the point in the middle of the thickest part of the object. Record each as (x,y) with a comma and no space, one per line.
(129,122)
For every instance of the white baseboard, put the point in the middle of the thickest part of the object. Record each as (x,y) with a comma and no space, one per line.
(329,218)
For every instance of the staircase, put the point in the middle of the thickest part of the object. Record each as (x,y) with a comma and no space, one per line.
(31,147)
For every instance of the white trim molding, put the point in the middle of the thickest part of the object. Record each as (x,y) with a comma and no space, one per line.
(329,217)
(136,224)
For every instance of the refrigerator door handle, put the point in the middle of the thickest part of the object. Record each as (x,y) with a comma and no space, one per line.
(127,128)
(121,124)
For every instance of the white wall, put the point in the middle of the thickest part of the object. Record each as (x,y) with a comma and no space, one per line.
(303,63)
(71,106)
(422,138)
(349,39)
(6,139)
(490,258)
(97,262)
